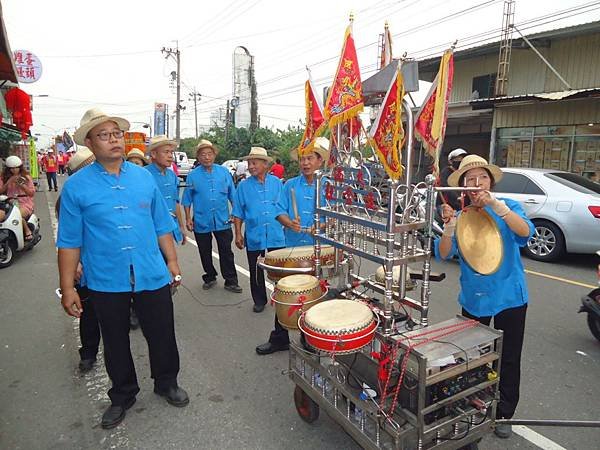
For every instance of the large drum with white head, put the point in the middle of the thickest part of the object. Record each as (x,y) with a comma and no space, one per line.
(294,258)
(295,294)
(338,326)
(380,277)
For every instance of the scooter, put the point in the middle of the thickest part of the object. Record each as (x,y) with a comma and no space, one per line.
(590,304)
(12,239)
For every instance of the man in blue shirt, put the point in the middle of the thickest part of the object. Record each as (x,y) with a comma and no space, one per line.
(256,204)
(209,190)
(161,151)
(298,221)
(114,220)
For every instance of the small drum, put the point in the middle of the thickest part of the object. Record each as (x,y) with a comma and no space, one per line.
(294,257)
(338,326)
(293,295)
(380,277)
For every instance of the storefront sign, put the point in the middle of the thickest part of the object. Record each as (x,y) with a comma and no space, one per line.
(29,67)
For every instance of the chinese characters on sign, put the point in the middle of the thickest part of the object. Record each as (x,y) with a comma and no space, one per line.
(29,67)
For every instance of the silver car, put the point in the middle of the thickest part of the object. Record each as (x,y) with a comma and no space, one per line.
(563,206)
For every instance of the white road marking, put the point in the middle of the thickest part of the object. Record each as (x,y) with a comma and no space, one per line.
(536,438)
(239,268)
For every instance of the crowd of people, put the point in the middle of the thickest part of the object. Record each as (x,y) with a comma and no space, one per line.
(121,217)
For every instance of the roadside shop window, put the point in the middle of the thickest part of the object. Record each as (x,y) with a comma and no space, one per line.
(514,152)
(586,158)
(515,132)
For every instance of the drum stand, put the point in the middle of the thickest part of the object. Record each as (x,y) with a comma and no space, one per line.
(416,385)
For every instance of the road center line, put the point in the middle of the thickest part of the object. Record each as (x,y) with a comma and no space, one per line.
(562,280)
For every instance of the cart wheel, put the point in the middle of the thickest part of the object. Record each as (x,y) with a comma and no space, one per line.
(307,409)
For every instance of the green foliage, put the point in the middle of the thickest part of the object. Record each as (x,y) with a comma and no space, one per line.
(234,143)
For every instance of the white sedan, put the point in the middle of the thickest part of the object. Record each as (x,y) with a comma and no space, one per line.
(563,206)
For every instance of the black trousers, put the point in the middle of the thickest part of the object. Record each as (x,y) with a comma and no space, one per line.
(51,178)
(226,262)
(257,276)
(155,312)
(279,335)
(512,322)
(89,329)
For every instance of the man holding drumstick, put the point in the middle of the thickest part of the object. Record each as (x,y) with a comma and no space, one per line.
(296,210)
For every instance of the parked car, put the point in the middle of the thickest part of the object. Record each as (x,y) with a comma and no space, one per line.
(563,206)
(183,164)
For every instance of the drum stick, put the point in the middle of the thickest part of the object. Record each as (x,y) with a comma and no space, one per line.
(294,204)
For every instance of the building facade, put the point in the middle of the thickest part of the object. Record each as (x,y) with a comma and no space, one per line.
(541,121)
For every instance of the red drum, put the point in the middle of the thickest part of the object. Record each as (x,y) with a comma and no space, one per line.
(338,326)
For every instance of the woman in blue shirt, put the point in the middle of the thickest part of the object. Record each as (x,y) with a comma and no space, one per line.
(501,295)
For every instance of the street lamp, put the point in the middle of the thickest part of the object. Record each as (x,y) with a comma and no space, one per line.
(144,125)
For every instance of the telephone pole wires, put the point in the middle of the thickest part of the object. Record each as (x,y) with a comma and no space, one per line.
(196,97)
(176,55)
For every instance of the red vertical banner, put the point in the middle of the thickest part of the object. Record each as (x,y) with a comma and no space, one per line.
(345,98)
(315,122)
(430,124)
(387,134)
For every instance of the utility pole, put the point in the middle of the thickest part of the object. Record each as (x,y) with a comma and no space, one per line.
(196,97)
(501,88)
(176,54)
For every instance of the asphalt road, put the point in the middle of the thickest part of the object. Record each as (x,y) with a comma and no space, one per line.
(240,399)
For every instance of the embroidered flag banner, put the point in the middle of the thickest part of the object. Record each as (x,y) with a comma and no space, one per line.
(345,99)
(386,48)
(430,124)
(315,122)
(387,134)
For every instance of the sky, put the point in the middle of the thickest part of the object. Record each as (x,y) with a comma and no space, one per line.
(108,54)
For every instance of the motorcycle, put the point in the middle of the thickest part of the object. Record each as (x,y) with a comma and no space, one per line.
(590,304)
(12,239)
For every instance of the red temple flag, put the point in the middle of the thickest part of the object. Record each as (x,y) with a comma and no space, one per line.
(315,122)
(430,124)
(345,98)
(387,134)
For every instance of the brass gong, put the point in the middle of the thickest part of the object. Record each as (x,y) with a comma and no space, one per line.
(479,240)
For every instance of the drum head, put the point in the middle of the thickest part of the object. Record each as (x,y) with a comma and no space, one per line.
(338,315)
(300,282)
(479,240)
(304,251)
(380,274)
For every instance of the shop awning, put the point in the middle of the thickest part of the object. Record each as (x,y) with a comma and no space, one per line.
(9,133)
(7,64)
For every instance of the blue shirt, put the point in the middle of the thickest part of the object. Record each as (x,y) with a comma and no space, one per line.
(209,192)
(256,204)
(167,183)
(115,222)
(487,295)
(305,201)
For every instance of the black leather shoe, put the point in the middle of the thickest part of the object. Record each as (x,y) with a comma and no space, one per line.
(175,396)
(85,365)
(258,308)
(208,284)
(233,288)
(115,414)
(267,348)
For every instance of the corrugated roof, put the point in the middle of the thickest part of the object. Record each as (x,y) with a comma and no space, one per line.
(558,95)
(432,64)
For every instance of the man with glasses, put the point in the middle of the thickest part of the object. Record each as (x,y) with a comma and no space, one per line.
(161,150)
(210,191)
(114,220)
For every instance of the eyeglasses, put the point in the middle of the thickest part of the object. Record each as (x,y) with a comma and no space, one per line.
(105,135)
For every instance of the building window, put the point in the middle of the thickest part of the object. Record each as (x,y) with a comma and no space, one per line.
(569,148)
(483,86)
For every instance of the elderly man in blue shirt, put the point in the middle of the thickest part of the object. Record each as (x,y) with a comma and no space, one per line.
(256,204)
(210,190)
(114,220)
(161,150)
(298,220)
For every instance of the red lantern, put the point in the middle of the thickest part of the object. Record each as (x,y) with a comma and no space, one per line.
(18,103)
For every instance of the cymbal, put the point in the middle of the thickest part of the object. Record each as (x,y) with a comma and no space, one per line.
(479,240)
